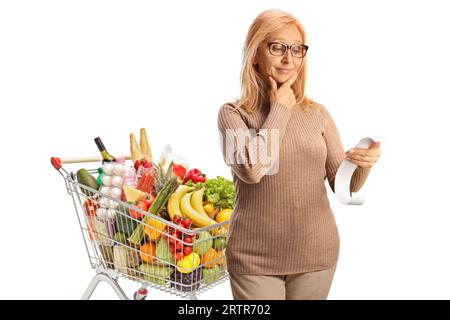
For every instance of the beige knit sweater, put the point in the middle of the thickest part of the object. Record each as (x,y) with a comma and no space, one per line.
(282,222)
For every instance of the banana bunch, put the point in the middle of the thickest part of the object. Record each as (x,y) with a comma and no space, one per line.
(188,202)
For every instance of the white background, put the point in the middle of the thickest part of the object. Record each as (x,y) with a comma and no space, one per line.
(74,70)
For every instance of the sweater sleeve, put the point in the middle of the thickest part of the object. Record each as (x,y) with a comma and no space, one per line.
(335,155)
(249,158)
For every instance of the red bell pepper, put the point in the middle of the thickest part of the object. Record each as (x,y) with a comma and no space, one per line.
(198,178)
(178,170)
(194,175)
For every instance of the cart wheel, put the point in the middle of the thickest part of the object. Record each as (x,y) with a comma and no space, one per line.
(141,294)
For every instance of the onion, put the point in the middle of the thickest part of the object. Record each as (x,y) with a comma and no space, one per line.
(106,180)
(105,190)
(101,213)
(118,169)
(117,181)
(113,204)
(108,168)
(104,203)
(116,193)
(110,214)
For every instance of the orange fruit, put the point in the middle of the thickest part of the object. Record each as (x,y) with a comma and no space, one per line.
(147,251)
(209,207)
(208,258)
(224,215)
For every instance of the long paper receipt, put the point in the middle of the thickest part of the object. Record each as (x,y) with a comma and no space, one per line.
(344,176)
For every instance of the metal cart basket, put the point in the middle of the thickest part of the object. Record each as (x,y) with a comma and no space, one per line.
(151,263)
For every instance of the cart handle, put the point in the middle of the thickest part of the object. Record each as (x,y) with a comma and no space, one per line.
(58,162)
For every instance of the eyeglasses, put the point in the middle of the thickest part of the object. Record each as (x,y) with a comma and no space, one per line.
(279,49)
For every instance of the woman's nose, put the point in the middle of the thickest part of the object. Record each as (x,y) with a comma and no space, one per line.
(287,57)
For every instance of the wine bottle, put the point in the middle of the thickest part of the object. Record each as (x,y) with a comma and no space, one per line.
(105,155)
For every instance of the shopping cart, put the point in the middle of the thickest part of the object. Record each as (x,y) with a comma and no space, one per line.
(151,262)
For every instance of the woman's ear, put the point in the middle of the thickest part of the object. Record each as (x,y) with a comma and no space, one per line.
(255,60)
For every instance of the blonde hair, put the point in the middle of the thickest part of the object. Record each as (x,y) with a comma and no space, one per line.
(253,87)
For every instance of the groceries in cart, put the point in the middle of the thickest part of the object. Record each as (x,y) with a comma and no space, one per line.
(160,222)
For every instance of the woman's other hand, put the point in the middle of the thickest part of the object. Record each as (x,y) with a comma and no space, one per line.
(364,157)
(284,95)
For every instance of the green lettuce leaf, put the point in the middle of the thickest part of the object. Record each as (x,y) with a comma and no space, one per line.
(220,192)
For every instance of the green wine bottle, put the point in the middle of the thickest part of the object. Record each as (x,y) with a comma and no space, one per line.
(105,155)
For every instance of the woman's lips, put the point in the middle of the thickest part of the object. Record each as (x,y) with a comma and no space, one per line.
(283,71)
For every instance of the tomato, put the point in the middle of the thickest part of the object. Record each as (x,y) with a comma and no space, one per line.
(186,223)
(90,207)
(179,256)
(187,250)
(136,214)
(148,199)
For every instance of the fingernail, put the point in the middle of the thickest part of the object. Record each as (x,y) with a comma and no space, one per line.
(351,150)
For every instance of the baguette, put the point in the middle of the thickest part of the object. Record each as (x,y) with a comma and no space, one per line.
(145,147)
(134,149)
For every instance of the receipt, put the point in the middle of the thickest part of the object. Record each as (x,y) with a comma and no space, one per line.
(344,176)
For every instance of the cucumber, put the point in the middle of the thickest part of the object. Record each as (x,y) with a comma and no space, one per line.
(86,179)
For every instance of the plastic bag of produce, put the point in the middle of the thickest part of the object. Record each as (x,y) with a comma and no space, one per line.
(107,256)
(99,231)
(167,156)
(109,229)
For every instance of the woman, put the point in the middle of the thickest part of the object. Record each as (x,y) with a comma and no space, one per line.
(281,145)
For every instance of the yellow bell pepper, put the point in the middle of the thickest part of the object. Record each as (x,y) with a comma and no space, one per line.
(188,263)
